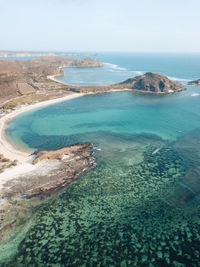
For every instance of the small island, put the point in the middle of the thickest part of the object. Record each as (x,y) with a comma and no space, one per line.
(196,82)
(153,83)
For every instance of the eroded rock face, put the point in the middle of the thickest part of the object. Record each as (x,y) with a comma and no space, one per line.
(153,83)
(197,82)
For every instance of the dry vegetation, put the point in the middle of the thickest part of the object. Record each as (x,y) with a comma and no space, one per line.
(6,163)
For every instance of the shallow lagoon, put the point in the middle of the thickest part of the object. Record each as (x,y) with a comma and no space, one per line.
(168,117)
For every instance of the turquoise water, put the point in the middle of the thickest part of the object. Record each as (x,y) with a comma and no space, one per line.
(137,207)
(122,113)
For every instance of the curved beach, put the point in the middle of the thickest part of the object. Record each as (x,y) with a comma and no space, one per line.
(9,150)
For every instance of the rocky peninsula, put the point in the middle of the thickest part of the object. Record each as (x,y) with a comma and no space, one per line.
(51,169)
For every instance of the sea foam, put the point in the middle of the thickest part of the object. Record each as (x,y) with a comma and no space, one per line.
(195,94)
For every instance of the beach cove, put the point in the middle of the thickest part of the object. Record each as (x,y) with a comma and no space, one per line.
(141,187)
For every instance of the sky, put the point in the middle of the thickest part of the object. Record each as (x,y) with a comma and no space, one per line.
(100,25)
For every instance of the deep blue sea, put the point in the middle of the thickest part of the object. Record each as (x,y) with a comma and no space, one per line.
(140,206)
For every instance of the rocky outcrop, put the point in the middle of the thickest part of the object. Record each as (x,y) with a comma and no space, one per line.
(56,169)
(196,82)
(69,162)
(59,154)
(153,83)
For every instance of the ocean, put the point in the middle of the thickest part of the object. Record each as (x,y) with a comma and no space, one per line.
(140,206)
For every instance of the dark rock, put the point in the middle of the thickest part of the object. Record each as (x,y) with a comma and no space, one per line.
(197,82)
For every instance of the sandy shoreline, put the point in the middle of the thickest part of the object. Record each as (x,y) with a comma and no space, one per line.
(9,150)
(53,77)
(6,148)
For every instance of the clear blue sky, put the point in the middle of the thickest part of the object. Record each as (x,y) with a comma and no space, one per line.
(100,25)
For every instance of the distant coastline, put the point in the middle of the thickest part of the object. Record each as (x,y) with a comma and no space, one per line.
(6,54)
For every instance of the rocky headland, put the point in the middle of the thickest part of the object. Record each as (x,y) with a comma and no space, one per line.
(196,82)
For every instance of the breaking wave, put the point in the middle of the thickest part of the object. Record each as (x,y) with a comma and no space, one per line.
(178,79)
(117,68)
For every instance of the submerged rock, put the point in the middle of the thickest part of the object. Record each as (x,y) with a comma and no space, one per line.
(153,83)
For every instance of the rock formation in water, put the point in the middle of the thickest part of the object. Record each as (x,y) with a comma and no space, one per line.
(153,83)
(57,168)
(196,82)
(59,154)
(71,161)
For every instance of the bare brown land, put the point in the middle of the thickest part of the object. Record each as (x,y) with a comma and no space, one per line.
(28,82)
